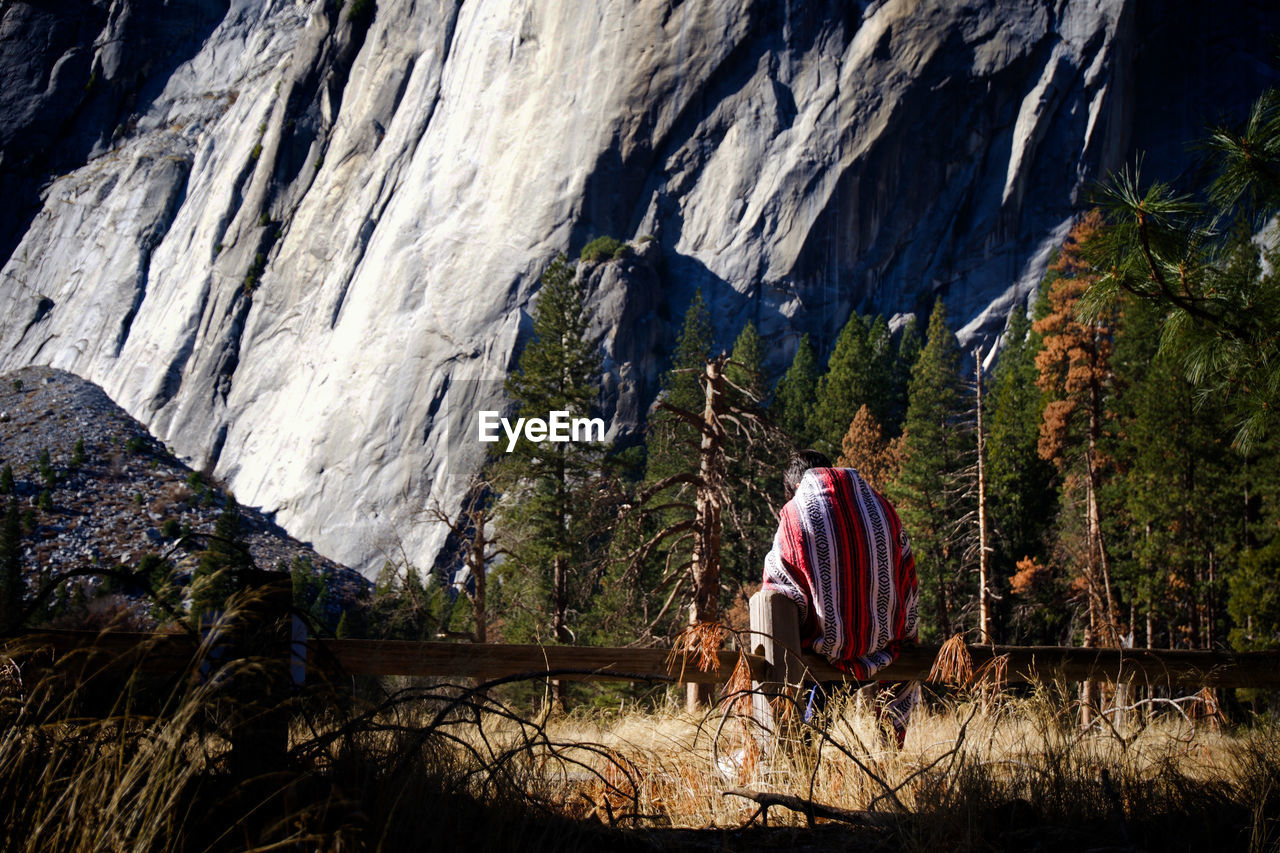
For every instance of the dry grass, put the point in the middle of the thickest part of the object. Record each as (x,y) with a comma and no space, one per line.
(443,767)
(981,771)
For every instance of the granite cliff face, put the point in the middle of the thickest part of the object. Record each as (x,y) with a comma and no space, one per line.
(285,233)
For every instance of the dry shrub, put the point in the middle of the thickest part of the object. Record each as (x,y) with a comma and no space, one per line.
(700,642)
(10,679)
(953,664)
(172,496)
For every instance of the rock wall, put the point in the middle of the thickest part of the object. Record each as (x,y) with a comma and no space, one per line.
(285,234)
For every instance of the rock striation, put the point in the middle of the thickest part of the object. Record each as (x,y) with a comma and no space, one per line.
(290,236)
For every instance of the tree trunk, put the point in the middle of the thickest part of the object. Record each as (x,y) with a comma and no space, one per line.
(478,544)
(560,604)
(1097,545)
(705,605)
(1089,692)
(984,578)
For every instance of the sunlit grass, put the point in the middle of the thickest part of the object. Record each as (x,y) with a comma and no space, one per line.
(439,765)
(974,770)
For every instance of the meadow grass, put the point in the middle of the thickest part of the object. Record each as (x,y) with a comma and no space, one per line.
(150,765)
(977,771)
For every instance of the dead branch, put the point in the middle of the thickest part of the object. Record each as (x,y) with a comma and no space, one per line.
(667,604)
(666,482)
(735,386)
(639,555)
(810,809)
(684,414)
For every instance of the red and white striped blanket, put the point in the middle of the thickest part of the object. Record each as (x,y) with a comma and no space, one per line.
(841,555)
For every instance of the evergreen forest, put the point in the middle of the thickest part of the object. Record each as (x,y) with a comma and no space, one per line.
(1107,476)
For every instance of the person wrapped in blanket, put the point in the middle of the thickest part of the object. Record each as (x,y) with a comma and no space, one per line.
(842,556)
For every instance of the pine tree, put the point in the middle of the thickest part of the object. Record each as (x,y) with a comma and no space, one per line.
(1180,253)
(793,398)
(543,483)
(672,444)
(745,369)
(10,566)
(753,468)
(909,346)
(1074,373)
(157,573)
(1254,599)
(689,517)
(216,578)
(927,493)
(403,606)
(1022,491)
(666,436)
(880,377)
(1178,502)
(844,387)
(865,448)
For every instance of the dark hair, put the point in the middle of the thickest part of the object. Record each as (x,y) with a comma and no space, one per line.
(800,462)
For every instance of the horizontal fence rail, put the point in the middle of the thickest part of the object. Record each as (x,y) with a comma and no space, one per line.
(173,652)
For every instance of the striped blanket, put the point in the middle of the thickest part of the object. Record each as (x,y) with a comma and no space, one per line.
(841,555)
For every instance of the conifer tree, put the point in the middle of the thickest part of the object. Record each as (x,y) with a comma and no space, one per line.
(542,482)
(666,434)
(1022,490)
(1254,602)
(672,445)
(909,346)
(927,490)
(844,387)
(1074,372)
(865,448)
(745,369)
(880,377)
(1177,252)
(227,554)
(10,566)
(793,398)
(689,517)
(753,467)
(1178,498)
(403,606)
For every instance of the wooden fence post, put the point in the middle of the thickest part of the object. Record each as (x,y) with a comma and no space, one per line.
(260,715)
(775,636)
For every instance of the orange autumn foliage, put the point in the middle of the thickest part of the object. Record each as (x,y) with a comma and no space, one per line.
(1029,575)
(865,448)
(1073,362)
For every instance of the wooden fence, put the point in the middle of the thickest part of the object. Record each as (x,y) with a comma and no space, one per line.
(172,652)
(772,655)
(258,725)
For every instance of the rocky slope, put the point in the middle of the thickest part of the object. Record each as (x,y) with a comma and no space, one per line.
(122,496)
(293,236)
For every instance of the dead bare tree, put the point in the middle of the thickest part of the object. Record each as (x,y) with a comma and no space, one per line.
(984,549)
(469,525)
(699,505)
